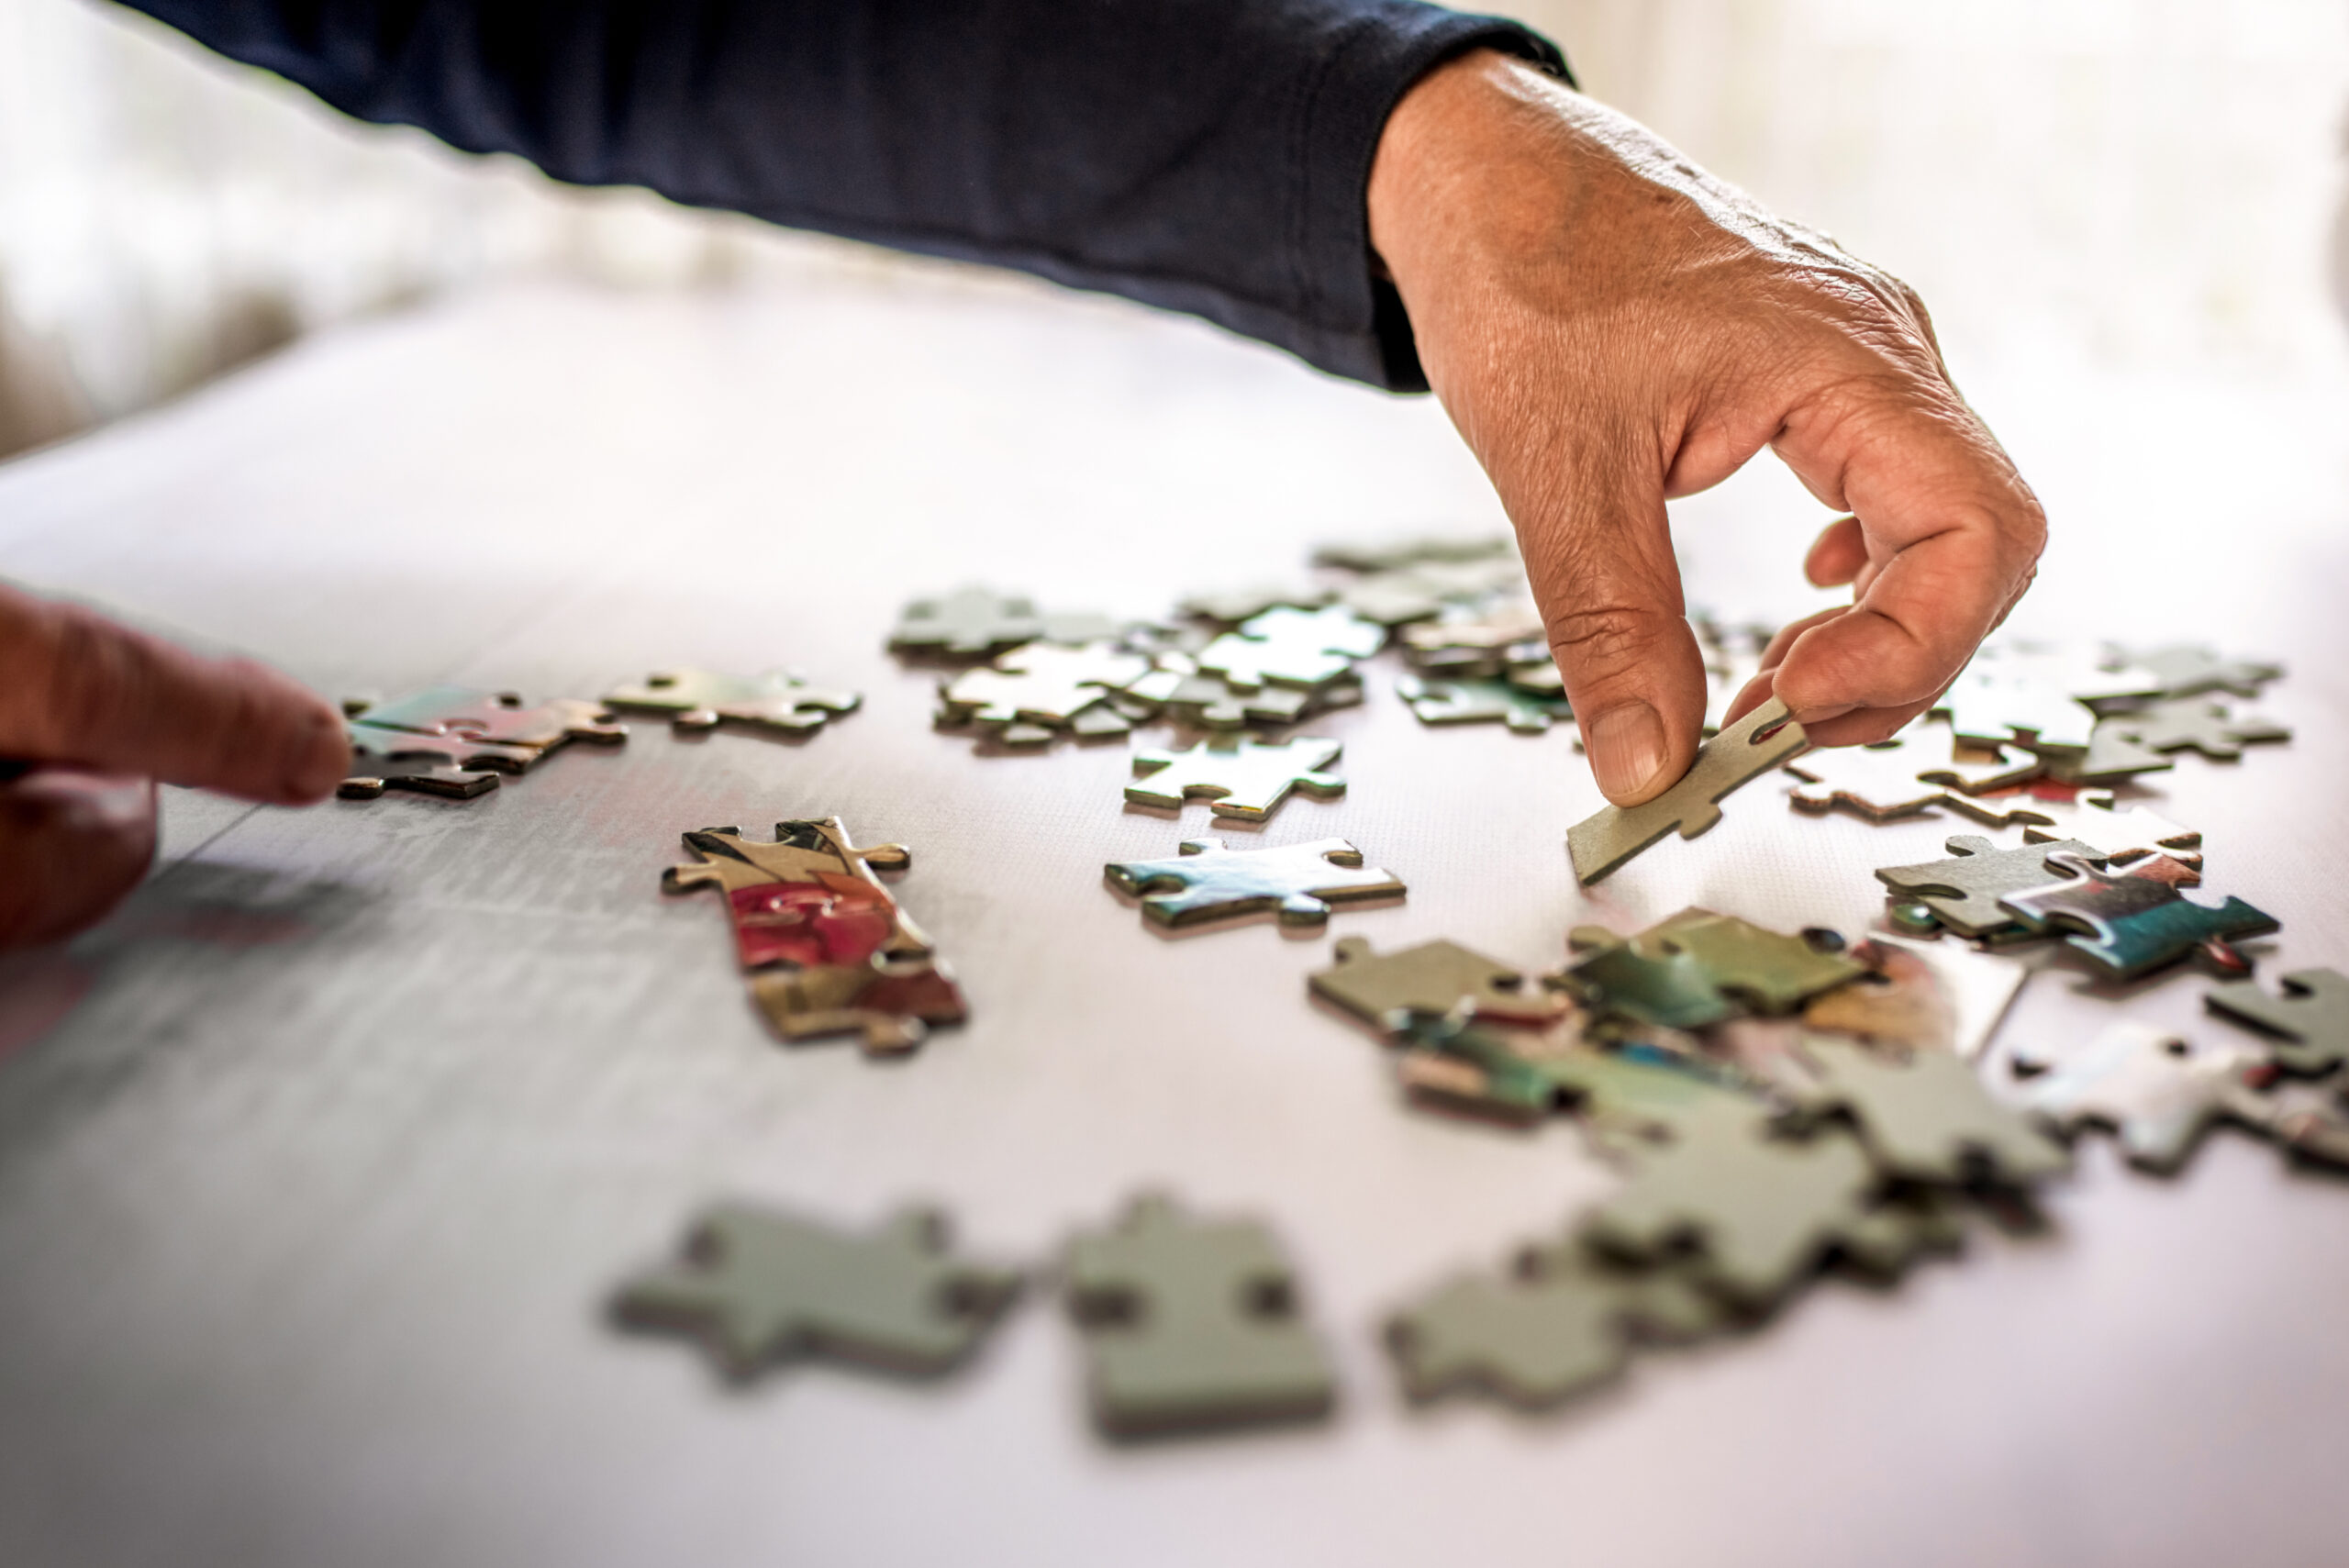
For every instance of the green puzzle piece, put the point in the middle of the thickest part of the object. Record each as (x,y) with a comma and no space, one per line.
(757,1287)
(1191,1324)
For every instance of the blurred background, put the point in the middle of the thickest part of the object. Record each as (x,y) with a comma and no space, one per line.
(2131,185)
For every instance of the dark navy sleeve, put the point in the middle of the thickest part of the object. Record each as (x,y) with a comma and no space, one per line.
(1210,156)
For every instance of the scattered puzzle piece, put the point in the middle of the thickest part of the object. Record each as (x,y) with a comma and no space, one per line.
(1996,700)
(1758,1212)
(1525,711)
(1210,702)
(495,718)
(2113,757)
(1301,881)
(1697,968)
(1292,648)
(1763,740)
(1971,768)
(1623,1100)
(1928,1119)
(2159,1092)
(2180,723)
(373,772)
(1192,1324)
(1397,554)
(1044,686)
(2312,1017)
(2183,669)
(1232,606)
(2122,836)
(757,1287)
(974,623)
(1465,643)
(1429,980)
(702,699)
(1246,779)
(1964,893)
(828,949)
(2135,920)
(1877,784)
(1565,1321)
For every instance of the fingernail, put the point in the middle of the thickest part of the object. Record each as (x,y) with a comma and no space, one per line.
(1627,751)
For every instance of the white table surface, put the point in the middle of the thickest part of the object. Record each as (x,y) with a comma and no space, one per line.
(319,1161)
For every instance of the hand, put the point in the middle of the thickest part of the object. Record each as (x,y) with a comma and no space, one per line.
(1609,327)
(92,715)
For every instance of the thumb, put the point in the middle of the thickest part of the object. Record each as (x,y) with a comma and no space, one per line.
(1599,554)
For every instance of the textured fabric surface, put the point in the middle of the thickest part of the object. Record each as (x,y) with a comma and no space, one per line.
(1210,156)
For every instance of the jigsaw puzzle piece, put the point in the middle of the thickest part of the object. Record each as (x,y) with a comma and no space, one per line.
(2136,921)
(1964,893)
(1246,779)
(1758,1212)
(495,718)
(1763,740)
(976,623)
(1525,711)
(2113,757)
(2180,723)
(1928,1119)
(1467,641)
(1043,685)
(1193,1324)
(1292,648)
(1395,555)
(1231,607)
(1624,1099)
(757,1287)
(1564,1322)
(2122,836)
(1876,784)
(702,699)
(464,752)
(2311,1019)
(1764,971)
(1209,882)
(1210,702)
(2157,1091)
(372,775)
(1429,980)
(2185,670)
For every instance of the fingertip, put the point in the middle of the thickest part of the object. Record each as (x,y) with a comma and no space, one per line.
(317,756)
(1837,555)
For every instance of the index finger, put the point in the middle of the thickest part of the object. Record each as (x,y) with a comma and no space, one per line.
(1952,535)
(83,690)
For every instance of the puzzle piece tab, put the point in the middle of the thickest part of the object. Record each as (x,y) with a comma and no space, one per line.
(1244,779)
(1876,784)
(1207,882)
(702,699)
(757,1287)
(1763,740)
(1697,968)
(2180,723)
(1034,691)
(1193,1324)
(2311,1017)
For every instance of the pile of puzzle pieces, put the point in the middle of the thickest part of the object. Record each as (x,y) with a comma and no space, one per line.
(1780,1104)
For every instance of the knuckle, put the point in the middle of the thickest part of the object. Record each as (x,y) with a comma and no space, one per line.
(1604,640)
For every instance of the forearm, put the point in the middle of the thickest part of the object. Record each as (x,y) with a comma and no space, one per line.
(1210,156)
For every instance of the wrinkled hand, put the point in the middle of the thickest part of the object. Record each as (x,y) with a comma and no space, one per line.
(92,715)
(1609,327)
